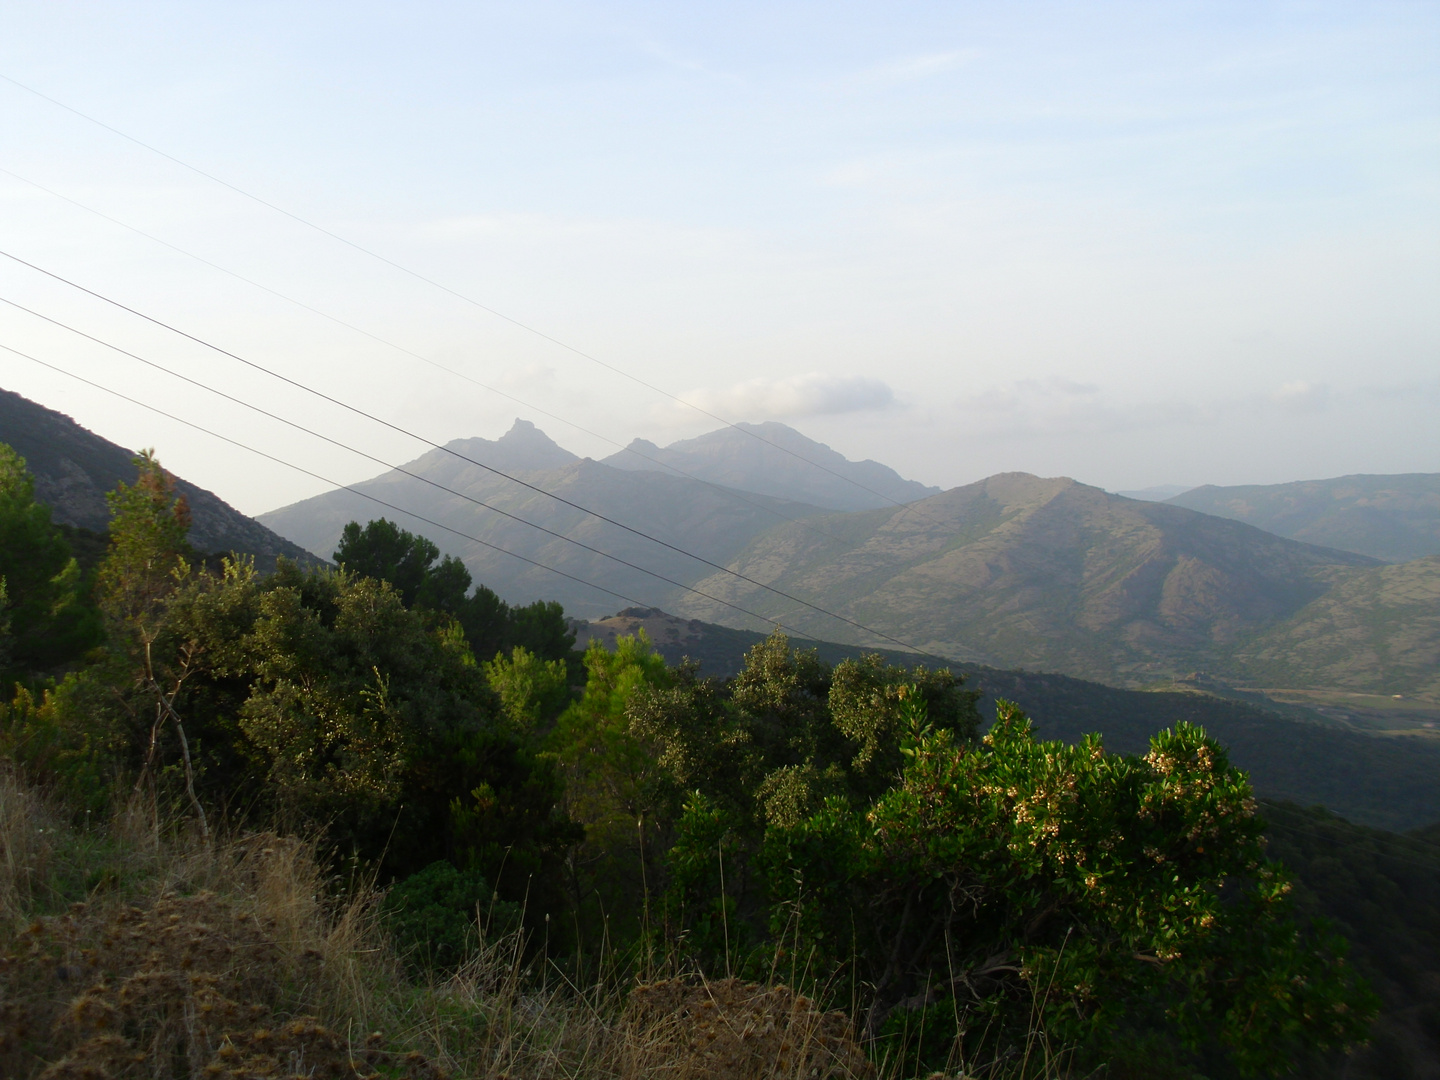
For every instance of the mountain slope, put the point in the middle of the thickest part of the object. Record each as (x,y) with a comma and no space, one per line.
(74,468)
(776,460)
(696,517)
(1022,571)
(1375,630)
(1394,518)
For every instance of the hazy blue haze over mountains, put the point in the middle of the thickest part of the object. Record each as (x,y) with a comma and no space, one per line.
(1395,518)
(1012,571)
(1082,576)
(776,460)
(1017,570)
(699,517)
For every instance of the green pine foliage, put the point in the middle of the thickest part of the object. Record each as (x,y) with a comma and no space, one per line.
(46,619)
(383,550)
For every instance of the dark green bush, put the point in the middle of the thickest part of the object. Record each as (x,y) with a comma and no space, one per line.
(436,916)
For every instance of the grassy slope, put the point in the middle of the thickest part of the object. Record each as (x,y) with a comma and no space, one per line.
(1376,630)
(1021,571)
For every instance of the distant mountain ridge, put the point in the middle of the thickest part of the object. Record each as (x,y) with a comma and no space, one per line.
(1395,518)
(695,516)
(74,468)
(524,448)
(776,460)
(1020,571)
(1012,571)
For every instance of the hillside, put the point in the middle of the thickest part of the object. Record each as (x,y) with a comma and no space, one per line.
(1394,518)
(776,460)
(697,517)
(1019,571)
(1375,630)
(1382,892)
(74,468)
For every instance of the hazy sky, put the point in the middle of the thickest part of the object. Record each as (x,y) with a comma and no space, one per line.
(1130,243)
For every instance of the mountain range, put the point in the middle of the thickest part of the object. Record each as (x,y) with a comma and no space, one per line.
(1055,573)
(1394,518)
(776,460)
(1022,571)
(700,517)
(1013,571)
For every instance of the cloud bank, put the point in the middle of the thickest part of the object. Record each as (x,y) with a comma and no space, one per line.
(810,394)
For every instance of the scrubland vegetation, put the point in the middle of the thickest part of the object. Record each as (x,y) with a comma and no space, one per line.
(371,821)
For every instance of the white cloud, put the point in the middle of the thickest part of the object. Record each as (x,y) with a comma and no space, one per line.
(1302,397)
(810,394)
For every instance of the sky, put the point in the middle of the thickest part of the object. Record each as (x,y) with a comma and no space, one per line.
(1136,244)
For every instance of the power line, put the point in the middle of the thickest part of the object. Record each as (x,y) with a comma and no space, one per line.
(1270,823)
(601,517)
(386,464)
(449,291)
(720,488)
(343,487)
(428,442)
(437,446)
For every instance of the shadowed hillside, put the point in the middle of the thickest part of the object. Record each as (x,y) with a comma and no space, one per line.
(697,517)
(1378,781)
(74,468)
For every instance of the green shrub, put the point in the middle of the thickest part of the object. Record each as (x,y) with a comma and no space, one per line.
(436,915)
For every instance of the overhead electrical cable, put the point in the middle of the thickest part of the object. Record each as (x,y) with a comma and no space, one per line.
(451,292)
(434,445)
(380,461)
(728,492)
(431,443)
(307,472)
(1270,824)
(498,472)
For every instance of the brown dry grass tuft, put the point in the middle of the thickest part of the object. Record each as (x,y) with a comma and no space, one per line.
(735,1030)
(197,985)
(27,829)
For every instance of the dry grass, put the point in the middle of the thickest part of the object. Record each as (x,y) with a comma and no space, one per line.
(27,832)
(127,954)
(734,1030)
